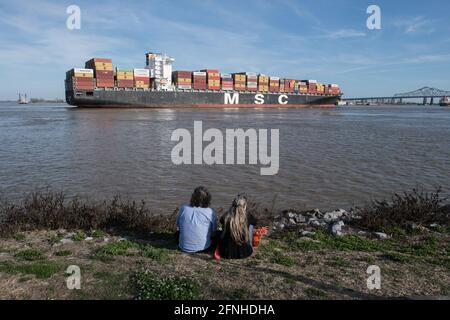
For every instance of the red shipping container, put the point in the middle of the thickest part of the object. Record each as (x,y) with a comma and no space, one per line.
(145,79)
(104,74)
(105,60)
(83,80)
(105,83)
(125,83)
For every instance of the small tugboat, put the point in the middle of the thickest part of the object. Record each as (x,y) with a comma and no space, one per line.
(445,102)
(23,99)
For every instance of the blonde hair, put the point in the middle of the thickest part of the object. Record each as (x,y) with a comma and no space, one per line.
(236,220)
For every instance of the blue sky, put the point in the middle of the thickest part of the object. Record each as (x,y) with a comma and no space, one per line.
(323,40)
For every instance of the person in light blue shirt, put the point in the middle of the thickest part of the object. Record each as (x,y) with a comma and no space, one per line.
(197,223)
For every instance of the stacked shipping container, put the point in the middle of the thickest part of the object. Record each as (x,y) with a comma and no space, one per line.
(334,89)
(141,78)
(99,72)
(274,84)
(263,83)
(124,78)
(103,72)
(227,81)
(282,83)
(312,86)
(320,88)
(199,80)
(212,79)
(182,79)
(302,87)
(81,79)
(289,85)
(239,81)
(252,81)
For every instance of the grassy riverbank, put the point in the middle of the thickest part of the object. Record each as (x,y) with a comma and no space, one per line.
(125,254)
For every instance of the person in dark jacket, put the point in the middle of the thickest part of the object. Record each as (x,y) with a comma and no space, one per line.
(236,239)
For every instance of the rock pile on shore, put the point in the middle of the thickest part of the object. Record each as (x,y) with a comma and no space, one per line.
(337,223)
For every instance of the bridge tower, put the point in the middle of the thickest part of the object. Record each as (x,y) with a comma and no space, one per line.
(432,101)
(424,101)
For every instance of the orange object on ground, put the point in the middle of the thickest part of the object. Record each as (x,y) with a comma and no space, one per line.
(257,235)
(217,254)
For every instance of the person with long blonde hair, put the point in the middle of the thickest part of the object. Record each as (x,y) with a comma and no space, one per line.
(236,239)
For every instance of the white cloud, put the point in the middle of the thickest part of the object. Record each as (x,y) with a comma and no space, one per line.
(345,33)
(416,25)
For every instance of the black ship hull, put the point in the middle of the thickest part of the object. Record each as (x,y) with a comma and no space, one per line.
(188,99)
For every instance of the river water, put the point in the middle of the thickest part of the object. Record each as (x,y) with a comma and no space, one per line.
(329,158)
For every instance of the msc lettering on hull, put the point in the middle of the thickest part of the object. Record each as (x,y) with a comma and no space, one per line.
(233,98)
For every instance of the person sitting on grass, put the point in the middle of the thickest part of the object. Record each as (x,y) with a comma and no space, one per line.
(236,239)
(197,223)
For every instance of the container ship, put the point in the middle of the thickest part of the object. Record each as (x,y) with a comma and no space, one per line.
(99,84)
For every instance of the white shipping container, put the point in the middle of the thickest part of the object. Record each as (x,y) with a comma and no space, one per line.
(142,73)
(312,81)
(275,78)
(334,86)
(78,70)
(183,86)
(199,73)
(226,75)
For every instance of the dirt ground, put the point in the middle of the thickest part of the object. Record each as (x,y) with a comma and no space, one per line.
(33,266)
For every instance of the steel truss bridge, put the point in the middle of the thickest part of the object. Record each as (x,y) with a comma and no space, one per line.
(424,93)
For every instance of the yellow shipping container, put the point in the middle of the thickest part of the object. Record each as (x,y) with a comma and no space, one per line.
(103,66)
(125,76)
(184,80)
(83,75)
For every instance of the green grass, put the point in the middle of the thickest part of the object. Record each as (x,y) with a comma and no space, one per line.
(157,254)
(63,253)
(238,294)
(338,262)
(149,286)
(123,248)
(41,270)
(98,234)
(313,293)
(398,257)
(279,258)
(108,251)
(54,239)
(79,236)
(323,241)
(273,251)
(112,285)
(19,237)
(30,255)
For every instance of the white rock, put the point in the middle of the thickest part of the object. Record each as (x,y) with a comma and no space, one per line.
(307,233)
(291,215)
(88,239)
(314,222)
(333,216)
(279,225)
(105,239)
(363,233)
(381,235)
(336,229)
(300,218)
(65,241)
(292,222)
